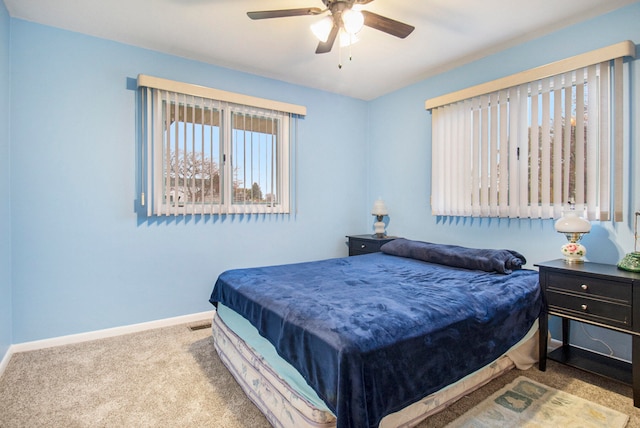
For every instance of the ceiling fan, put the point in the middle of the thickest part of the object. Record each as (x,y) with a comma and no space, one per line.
(342,18)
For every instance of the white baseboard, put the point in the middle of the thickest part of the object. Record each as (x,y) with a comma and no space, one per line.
(554,344)
(5,360)
(109,332)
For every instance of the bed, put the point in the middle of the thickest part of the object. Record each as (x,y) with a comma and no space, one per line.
(380,339)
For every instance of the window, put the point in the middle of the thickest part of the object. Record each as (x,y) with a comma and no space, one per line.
(523,146)
(214,152)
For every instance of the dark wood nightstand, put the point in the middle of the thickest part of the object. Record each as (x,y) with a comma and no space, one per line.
(365,244)
(597,294)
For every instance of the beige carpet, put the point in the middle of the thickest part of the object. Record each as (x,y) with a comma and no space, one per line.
(172,377)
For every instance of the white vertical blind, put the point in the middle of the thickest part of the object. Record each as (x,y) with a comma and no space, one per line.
(483,169)
(521,101)
(567,132)
(618,136)
(493,155)
(578,174)
(514,167)
(533,154)
(503,181)
(475,150)
(593,141)
(605,135)
(545,151)
(557,154)
(528,149)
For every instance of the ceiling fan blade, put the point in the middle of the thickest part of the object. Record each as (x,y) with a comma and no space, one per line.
(265,14)
(324,47)
(388,25)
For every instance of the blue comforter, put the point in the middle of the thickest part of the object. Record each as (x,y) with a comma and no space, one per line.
(375,333)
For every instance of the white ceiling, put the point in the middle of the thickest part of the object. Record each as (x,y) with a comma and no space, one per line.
(448,33)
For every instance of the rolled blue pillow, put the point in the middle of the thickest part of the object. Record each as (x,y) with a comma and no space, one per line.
(488,260)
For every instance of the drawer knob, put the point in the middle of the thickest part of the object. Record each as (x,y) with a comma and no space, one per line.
(584,307)
(362,246)
(584,286)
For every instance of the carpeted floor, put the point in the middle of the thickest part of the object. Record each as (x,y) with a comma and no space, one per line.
(173,377)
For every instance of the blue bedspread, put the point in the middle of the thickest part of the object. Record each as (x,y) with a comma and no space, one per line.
(375,333)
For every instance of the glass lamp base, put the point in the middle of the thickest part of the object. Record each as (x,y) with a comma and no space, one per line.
(630,262)
(378,228)
(574,252)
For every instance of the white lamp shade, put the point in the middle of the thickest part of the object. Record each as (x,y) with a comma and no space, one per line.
(571,223)
(379,208)
(353,21)
(322,28)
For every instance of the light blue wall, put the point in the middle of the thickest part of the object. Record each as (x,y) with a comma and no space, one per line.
(81,259)
(5,186)
(401,155)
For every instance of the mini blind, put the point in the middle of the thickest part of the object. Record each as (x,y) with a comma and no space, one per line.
(214,156)
(525,150)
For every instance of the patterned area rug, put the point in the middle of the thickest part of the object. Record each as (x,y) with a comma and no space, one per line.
(525,403)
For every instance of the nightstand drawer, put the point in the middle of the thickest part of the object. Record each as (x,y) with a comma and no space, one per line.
(365,244)
(589,286)
(600,311)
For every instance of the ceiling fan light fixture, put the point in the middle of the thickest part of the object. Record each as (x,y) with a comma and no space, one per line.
(322,28)
(345,16)
(353,21)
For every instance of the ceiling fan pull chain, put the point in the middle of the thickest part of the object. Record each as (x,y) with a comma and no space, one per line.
(350,44)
